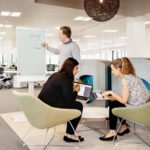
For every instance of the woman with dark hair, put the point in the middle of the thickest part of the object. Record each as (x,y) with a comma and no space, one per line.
(134,93)
(59,91)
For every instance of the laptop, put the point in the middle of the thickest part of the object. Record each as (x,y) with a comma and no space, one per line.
(98,95)
(85,91)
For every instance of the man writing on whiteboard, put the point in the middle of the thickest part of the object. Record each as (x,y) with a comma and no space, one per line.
(67,49)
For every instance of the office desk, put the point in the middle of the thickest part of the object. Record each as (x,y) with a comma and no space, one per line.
(30,80)
(11,71)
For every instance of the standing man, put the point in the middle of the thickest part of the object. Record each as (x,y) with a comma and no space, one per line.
(67,49)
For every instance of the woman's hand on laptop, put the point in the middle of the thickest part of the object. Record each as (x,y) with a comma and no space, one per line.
(76,88)
(108,95)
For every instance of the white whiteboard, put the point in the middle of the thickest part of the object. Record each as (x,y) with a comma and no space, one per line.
(31,57)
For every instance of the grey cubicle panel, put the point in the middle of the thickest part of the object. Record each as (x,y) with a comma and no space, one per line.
(142,68)
(99,71)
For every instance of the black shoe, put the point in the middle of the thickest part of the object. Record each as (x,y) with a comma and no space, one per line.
(108,138)
(67,139)
(126,131)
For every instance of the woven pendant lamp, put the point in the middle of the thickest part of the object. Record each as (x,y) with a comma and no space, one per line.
(101,10)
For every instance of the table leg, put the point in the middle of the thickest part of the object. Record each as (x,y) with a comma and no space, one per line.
(31,87)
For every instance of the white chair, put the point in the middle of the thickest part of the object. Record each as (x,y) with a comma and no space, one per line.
(43,116)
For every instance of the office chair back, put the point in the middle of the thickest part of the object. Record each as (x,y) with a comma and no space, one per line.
(147,84)
(41,115)
(1,72)
(87,79)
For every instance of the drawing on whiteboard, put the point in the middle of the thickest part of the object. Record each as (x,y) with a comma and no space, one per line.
(34,41)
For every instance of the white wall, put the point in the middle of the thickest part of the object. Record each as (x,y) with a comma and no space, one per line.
(148,42)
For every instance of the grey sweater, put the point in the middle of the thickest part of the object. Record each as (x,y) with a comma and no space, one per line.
(66,50)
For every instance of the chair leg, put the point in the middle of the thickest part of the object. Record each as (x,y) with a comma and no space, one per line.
(148,131)
(62,145)
(114,141)
(106,124)
(75,133)
(44,148)
(147,143)
(134,130)
(28,131)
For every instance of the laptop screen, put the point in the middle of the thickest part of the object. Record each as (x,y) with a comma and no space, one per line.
(85,91)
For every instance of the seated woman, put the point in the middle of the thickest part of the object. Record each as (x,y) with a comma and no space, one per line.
(59,91)
(134,93)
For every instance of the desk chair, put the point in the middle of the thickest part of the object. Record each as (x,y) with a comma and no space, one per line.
(4,80)
(43,116)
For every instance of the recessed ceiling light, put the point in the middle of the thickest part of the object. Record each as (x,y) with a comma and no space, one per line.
(78,18)
(110,31)
(89,36)
(82,18)
(2,33)
(8,26)
(15,14)
(5,13)
(147,22)
(1,25)
(86,19)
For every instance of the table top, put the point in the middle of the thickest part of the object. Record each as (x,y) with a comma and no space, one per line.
(32,78)
(95,112)
(11,71)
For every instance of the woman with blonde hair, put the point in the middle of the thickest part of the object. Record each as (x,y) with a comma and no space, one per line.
(134,93)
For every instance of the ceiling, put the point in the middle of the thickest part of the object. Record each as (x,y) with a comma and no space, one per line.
(49,14)
(127,7)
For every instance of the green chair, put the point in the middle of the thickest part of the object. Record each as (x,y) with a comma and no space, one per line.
(43,116)
(137,115)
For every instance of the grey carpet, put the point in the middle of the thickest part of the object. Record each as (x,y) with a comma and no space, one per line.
(8,138)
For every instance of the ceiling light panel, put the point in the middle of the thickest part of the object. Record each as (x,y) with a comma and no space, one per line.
(89,36)
(82,18)
(15,14)
(1,25)
(5,13)
(12,14)
(110,31)
(8,26)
